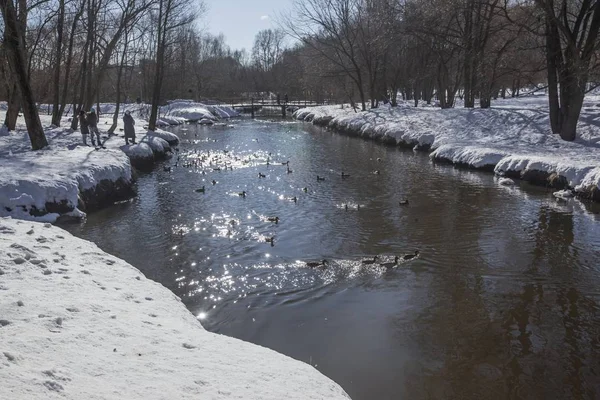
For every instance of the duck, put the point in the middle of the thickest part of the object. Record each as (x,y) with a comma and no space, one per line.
(286,163)
(315,264)
(270,240)
(261,175)
(358,207)
(390,264)
(320,178)
(214,182)
(379,159)
(408,257)
(370,261)
(346,207)
(242,194)
(345,175)
(200,190)
(305,189)
(217,169)
(376,172)
(294,199)
(289,171)
(273,219)
(403,202)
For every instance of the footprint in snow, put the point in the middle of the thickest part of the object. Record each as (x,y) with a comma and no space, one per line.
(53,386)
(6,230)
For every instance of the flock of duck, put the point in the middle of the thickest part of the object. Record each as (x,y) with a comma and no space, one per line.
(375,260)
(219,162)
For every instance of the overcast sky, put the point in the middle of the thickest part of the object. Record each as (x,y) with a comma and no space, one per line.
(240,20)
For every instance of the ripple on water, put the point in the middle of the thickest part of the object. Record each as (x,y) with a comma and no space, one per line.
(506,282)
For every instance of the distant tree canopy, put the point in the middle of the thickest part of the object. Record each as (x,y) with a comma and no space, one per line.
(358,51)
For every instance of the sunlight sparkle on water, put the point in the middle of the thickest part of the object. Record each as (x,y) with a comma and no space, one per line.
(201,316)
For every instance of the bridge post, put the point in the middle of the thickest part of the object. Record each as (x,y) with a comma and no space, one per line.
(252,108)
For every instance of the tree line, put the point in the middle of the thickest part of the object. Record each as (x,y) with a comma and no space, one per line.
(73,54)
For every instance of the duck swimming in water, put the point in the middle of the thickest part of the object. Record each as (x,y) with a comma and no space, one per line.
(200,190)
(403,202)
(408,257)
(273,219)
(390,264)
(315,264)
(320,178)
(261,175)
(345,175)
(370,261)
(242,194)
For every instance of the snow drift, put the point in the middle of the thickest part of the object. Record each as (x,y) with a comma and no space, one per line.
(78,323)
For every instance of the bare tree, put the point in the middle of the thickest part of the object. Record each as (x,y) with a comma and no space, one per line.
(14,39)
(171,14)
(572,28)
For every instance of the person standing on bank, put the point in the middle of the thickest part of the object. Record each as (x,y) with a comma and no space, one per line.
(92,120)
(83,127)
(129,124)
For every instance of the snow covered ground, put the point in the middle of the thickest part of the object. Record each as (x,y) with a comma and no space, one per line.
(78,323)
(47,183)
(513,138)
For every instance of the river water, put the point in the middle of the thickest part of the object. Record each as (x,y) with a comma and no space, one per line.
(502,302)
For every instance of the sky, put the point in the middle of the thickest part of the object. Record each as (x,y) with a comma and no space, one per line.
(240,20)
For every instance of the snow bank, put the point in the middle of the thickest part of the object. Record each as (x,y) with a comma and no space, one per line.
(513,138)
(53,181)
(78,323)
(67,176)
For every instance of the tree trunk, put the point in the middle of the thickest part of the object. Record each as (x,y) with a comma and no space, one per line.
(14,39)
(118,99)
(14,105)
(158,72)
(68,64)
(56,83)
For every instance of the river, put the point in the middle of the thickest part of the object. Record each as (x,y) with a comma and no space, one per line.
(502,301)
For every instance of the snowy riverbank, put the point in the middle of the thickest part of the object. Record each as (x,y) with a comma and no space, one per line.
(67,178)
(78,323)
(512,138)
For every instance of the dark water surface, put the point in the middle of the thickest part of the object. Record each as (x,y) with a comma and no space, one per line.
(502,303)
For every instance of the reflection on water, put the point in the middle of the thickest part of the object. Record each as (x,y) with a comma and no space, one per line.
(501,303)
